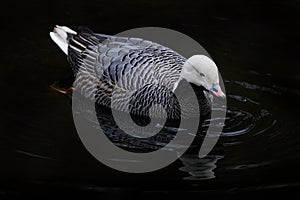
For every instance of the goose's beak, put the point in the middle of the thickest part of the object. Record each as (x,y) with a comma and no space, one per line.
(217,91)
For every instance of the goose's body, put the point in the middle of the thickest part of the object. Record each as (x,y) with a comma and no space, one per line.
(141,73)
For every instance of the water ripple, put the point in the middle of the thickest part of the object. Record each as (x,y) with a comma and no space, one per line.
(247,116)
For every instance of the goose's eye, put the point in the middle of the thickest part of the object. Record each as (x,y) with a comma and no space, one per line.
(201,74)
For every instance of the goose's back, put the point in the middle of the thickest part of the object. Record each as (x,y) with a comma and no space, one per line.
(130,63)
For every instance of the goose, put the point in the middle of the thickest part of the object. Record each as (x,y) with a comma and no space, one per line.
(143,72)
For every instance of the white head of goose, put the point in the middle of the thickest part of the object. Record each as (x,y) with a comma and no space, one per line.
(202,71)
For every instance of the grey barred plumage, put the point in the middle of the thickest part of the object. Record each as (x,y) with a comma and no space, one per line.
(138,73)
(127,66)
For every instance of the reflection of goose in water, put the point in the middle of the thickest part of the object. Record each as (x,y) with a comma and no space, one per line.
(141,72)
(106,121)
(199,169)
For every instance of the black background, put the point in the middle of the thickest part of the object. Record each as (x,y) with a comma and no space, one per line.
(241,36)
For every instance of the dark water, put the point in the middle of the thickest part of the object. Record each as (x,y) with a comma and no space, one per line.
(255,46)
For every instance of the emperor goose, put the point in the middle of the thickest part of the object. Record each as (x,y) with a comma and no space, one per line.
(143,72)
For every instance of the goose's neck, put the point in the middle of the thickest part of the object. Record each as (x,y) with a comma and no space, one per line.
(183,75)
(175,85)
(177,82)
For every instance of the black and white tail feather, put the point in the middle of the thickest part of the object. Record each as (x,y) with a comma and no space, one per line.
(78,44)
(60,37)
